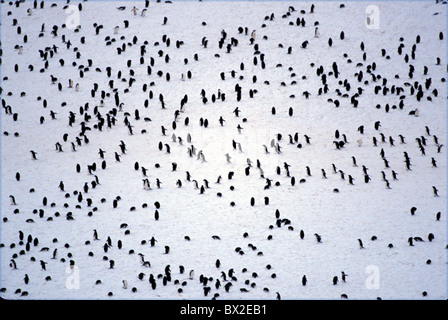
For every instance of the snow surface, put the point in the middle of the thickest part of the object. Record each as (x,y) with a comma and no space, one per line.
(357,211)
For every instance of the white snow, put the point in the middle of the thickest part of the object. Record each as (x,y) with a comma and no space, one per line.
(357,211)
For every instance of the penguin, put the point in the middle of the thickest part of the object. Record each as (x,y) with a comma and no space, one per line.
(253,34)
(306,94)
(435,191)
(101,153)
(55,253)
(335,280)
(350,179)
(408,165)
(394,175)
(307,139)
(434,163)
(367,178)
(436,140)
(33,155)
(377,125)
(360,244)
(13,200)
(324,174)
(122,147)
(304,280)
(13,264)
(391,141)
(308,171)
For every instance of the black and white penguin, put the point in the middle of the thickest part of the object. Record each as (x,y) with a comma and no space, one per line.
(435,191)
(13,200)
(304,280)
(33,154)
(360,244)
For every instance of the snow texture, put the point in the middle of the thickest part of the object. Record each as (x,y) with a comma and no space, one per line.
(384,73)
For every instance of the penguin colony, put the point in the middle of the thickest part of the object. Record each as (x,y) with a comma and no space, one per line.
(240,151)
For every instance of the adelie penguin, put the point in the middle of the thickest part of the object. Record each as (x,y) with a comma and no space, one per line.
(33,155)
(13,200)
(435,191)
(361,246)
(304,280)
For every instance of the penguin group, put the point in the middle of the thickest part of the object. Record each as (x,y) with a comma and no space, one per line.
(188,162)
